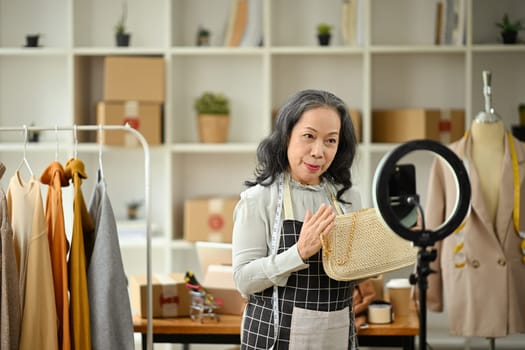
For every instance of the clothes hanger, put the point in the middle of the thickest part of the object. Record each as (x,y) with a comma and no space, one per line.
(24,159)
(100,134)
(489,115)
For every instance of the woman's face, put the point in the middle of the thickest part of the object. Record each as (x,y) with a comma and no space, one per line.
(313,144)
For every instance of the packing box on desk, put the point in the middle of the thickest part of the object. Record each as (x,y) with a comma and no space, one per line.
(209,219)
(401,125)
(218,281)
(143,116)
(134,78)
(170,297)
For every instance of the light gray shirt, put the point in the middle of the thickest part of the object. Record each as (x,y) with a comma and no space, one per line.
(254,268)
(110,309)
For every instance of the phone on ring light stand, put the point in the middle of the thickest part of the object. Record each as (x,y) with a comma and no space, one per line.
(402,186)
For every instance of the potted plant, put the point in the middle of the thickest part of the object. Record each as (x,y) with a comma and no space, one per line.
(324,33)
(132,209)
(213,113)
(32,39)
(121,35)
(203,37)
(509,29)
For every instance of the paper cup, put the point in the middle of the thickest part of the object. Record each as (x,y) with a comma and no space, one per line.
(399,295)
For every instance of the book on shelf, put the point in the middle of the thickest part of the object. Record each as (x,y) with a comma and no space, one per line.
(253,35)
(458,33)
(352,22)
(439,17)
(450,22)
(237,21)
(360,22)
(349,21)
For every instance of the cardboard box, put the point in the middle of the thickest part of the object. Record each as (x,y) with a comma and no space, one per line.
(402,125)
(134,78)
(218,281)
(170,297)
(451,125)
(209,219)
(143,116)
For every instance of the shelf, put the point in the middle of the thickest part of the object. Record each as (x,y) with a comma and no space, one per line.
(418,49)
(316,50)
(499,48)
(227,148)
(393,64)
(37,51)
(128,51)
(205,51)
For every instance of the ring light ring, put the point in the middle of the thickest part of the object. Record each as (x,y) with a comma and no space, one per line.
(380,192)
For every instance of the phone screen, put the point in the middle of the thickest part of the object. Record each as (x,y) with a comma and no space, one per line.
(402,184)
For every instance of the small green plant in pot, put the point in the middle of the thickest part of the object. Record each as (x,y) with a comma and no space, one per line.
(509,29)
(122,37)
(32,39)
(213,113)
(324,33)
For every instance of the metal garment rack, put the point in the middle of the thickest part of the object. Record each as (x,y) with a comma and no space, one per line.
(145,146)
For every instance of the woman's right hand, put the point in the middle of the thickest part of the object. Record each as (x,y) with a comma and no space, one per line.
(315,228)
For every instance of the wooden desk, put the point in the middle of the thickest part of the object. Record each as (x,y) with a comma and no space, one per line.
(183,330)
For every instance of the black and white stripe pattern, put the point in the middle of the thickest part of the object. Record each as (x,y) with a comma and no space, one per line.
(310,289)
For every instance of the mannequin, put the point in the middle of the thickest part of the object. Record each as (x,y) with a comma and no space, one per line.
(488,148)
(482,285)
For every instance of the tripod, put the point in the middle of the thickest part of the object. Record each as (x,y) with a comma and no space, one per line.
(424,257)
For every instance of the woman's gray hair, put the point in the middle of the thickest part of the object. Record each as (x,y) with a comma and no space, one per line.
(272,152)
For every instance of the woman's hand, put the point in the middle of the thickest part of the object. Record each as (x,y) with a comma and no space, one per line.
(315,226)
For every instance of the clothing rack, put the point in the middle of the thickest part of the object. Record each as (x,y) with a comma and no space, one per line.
(145,146)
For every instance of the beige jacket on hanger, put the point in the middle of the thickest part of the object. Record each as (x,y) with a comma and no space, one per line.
(39,318)
(486,297)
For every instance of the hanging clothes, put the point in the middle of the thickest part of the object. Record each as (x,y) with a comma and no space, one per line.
(485,297)
(54,177)
(110,310)
(82,227)
(10,313)
(39,319)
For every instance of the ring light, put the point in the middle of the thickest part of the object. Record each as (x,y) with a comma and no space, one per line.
(423,238)
(382,200)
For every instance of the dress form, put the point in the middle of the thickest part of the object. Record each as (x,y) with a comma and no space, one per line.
(488,148)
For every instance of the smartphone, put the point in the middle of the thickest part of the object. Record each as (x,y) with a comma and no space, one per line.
(401,186)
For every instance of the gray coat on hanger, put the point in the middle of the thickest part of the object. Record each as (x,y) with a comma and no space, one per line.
(110,310)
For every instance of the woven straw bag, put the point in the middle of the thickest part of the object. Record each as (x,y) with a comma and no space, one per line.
(361,246)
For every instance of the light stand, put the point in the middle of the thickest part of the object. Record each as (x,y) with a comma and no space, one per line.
(423,238)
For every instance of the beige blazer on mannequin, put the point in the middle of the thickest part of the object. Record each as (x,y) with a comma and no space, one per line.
(486,298)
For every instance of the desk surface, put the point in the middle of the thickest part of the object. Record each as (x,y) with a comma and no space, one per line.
(231,324)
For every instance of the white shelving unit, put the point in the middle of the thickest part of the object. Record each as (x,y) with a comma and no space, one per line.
(396,65)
